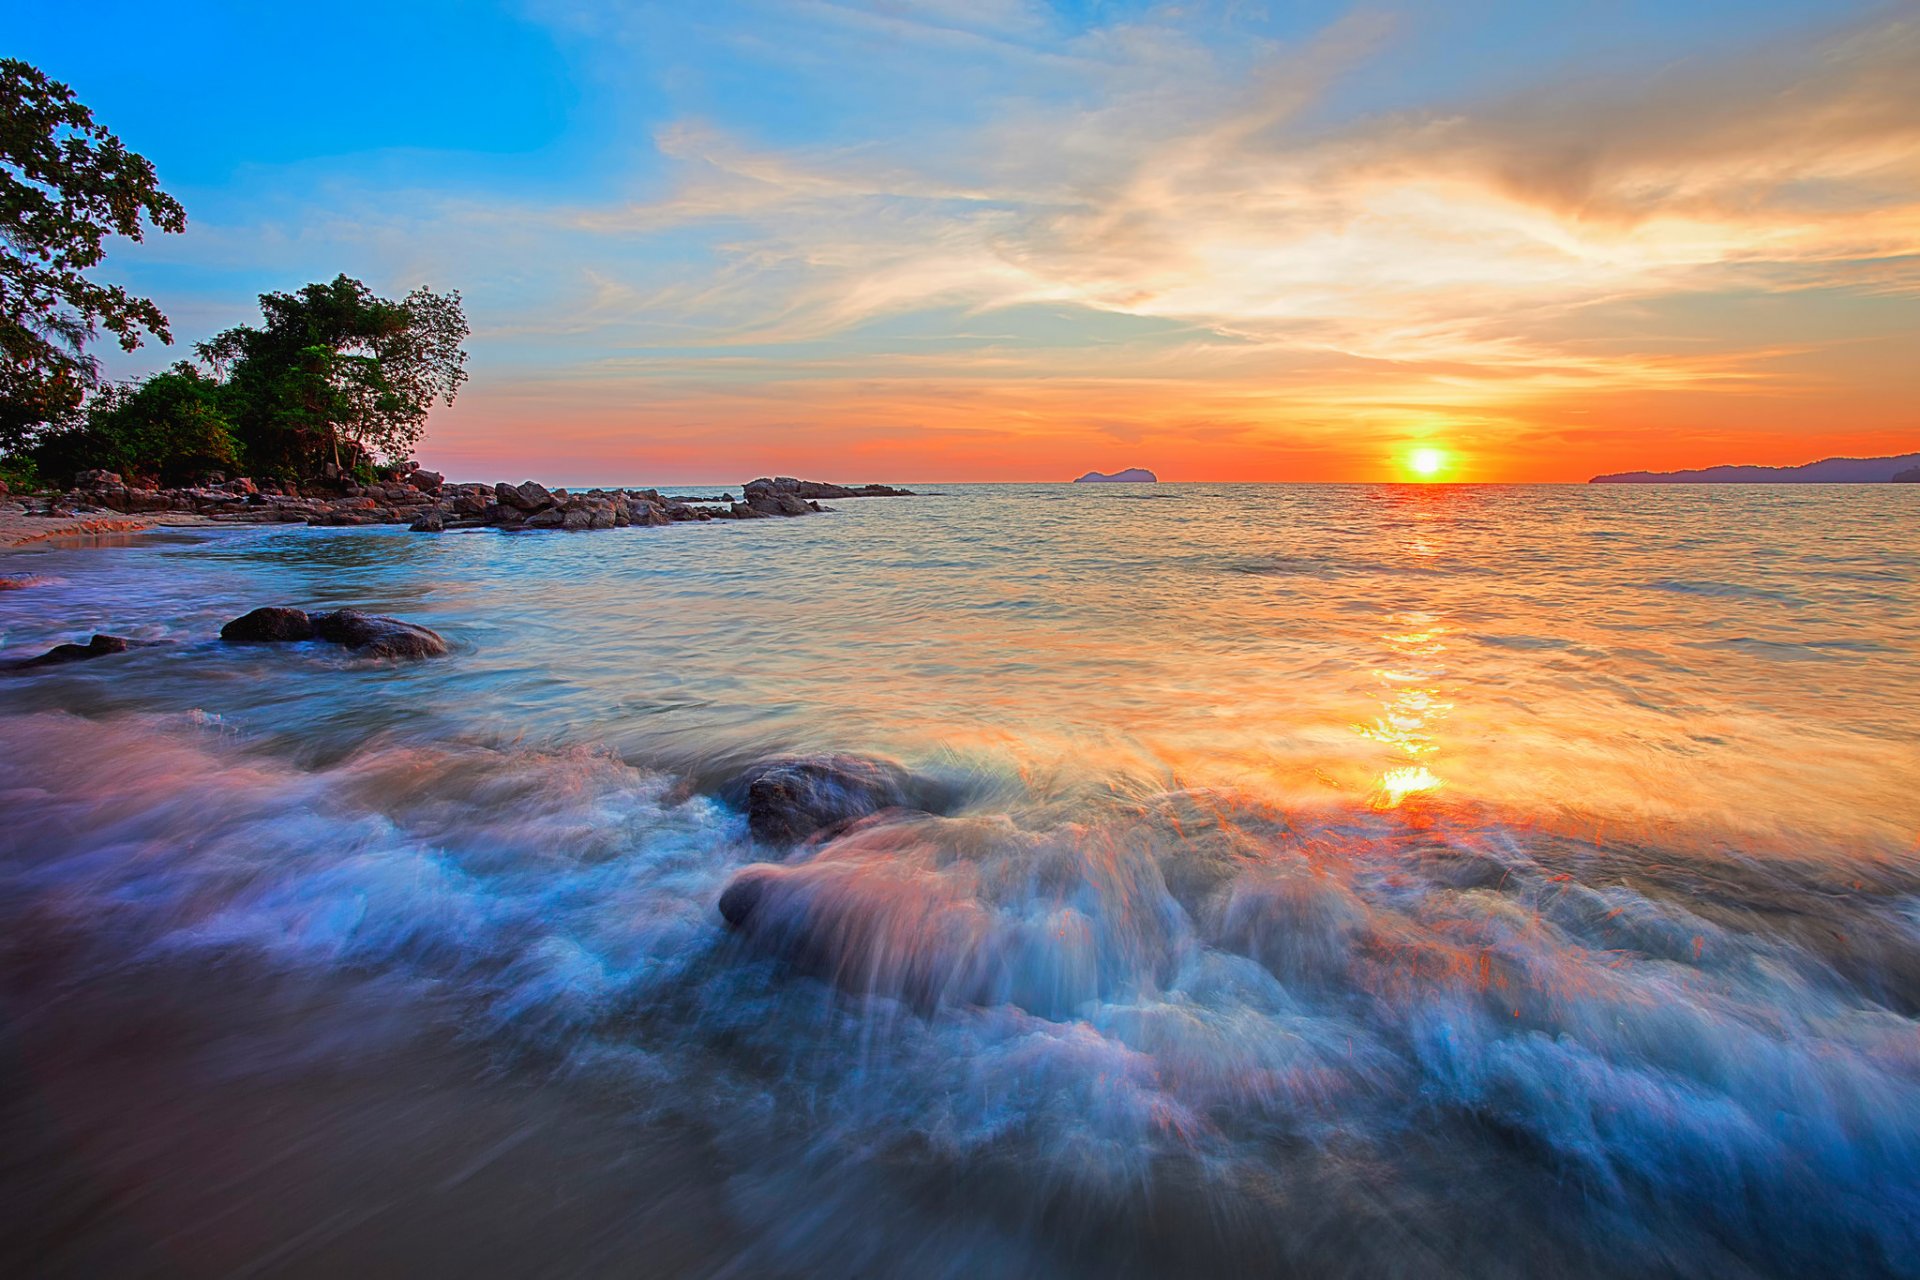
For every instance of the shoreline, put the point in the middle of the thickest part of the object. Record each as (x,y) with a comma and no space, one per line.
(102,505)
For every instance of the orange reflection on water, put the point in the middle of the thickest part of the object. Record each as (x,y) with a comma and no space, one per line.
(1411,708)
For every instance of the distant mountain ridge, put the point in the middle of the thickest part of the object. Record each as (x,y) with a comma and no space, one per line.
(1826,471)
(1132,475)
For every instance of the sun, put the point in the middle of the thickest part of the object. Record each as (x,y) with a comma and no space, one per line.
(1426,463)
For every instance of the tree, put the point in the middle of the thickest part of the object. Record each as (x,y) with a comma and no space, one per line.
(337,374)
(66,184)
(170,427)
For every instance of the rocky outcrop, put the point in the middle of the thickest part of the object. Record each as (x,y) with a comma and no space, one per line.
(371,635)
(426,503)
(810,490)
(1910,476)
(1131,475)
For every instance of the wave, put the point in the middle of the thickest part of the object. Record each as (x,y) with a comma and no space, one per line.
(1184,1034)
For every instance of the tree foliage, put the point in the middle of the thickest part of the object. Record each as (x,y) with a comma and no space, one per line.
(336,373)
(170,428)
(66,184)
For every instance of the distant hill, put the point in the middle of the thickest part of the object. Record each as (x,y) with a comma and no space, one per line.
(1132,475)
(1827,471)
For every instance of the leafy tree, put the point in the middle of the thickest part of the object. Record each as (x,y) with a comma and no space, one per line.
(66,184)
(171,427)
(336,373)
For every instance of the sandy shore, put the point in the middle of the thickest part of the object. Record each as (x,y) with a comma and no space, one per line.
(18,530)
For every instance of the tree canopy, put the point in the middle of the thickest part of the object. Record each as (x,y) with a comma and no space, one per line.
(336,373)
(66,184)
(171,427)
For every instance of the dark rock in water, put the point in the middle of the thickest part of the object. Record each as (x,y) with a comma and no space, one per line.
(769,503)
(820,489)
(741,896)
(99,646)
(378,636)
(271,624)
(429,522)
(361,632)
(789,798)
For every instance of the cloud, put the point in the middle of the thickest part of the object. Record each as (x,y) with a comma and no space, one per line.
(1300,274)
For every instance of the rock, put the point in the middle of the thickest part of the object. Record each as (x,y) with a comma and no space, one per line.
(269,624)
(427,480)
(429,522)
(378,636)
(576,518)
(1910,476)
(788,798)
(98,480)
(526,496)
(362,632)
(99,646)
(741,511)
(821,489)
(551,518)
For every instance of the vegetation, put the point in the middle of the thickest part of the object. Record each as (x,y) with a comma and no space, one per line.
(66,184)
(334,376)
(171,427)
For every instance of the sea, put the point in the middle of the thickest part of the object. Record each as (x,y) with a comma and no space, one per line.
(1313,881)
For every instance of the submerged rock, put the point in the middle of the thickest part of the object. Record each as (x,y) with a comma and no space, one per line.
(270,624)
(99,646)
(789,798)
(380,636)
(365,633)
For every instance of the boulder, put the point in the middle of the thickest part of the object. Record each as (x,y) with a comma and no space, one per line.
(551,518)
(429,522)
(378,636)
(270,624)
(98,480)
(791,797)
(526,496)
(426,480)
(98,646)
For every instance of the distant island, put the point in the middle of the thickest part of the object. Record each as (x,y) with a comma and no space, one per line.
(1905,467)
(1132,475)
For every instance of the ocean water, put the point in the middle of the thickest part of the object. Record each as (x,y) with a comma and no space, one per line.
(1333,880)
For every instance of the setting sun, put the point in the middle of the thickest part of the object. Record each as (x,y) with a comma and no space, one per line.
(1426,463)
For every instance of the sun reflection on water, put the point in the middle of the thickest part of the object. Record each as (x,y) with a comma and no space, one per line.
(1411,708)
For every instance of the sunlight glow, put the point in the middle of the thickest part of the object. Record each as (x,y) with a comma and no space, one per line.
(1426,463)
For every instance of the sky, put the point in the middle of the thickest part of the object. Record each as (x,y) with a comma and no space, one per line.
(1010,240)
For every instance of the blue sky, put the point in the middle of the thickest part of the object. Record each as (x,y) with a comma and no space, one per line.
(930,237)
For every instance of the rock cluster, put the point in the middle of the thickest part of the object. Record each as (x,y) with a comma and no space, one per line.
(425,501)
